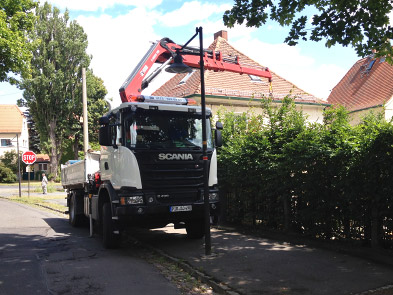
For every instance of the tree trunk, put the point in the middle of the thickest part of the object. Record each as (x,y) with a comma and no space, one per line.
(75,147)
(55,148)
(286,213)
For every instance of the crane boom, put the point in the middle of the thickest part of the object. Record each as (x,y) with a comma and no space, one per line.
(164,51)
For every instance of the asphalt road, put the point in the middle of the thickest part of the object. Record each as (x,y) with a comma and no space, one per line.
(41,254)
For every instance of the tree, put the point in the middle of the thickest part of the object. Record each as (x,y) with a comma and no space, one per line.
(96,108)
(51,92)
(363,25)
(16,21)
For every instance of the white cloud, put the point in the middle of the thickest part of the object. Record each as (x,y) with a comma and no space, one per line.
(117,45)
(190,12)
(94,5)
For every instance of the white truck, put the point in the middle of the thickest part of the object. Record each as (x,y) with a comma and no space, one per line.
(150,170)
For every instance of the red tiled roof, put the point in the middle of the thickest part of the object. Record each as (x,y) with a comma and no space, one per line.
(11,119)
(228,84)
(364,87)
(42,158)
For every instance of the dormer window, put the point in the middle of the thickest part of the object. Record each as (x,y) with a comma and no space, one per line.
(186,77)
(255,78)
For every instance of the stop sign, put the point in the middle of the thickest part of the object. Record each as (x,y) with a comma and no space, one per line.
(29,157)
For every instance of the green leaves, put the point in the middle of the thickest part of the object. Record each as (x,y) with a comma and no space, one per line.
(16,22)
(321,180)
(364,25)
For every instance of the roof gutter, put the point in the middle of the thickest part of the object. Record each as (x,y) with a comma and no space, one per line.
(255,99)
(365,109)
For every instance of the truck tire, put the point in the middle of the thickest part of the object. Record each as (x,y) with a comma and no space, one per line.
(74,218)
(109,238)
(195,229)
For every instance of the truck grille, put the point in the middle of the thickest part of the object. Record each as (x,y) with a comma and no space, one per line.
(170,174)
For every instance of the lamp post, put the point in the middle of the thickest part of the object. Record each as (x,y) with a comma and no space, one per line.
(17,150)
(179,67)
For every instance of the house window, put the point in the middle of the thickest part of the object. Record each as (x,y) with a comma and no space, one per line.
(186,77)
(255,78)
(42,166)
(5,142)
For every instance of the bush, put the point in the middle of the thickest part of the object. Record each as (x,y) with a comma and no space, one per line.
(38,175)
(6,175)
(327,181)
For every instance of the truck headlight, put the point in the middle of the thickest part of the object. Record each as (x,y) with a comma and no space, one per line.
(134,200)
(213,196)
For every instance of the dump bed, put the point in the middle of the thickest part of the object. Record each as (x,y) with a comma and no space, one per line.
(74,174)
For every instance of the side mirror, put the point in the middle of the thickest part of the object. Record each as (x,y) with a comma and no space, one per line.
(218,138)
(219,125)
(103,120)
(105,136)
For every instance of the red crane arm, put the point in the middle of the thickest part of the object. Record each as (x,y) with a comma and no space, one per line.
(163,51)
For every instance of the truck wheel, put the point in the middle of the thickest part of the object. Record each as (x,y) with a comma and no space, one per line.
(195,229)
(74,219)
(109,238)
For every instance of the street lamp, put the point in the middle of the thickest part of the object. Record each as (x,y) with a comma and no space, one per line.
(179,67)
(17,151)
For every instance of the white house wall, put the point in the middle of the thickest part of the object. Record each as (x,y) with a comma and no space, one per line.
(23,139)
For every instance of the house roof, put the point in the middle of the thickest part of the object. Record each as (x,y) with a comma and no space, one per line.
(367,84)
(233,85)
(11,119)
(42,158)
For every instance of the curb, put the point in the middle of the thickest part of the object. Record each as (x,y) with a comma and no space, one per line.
(50,208)
(39,205)
(217,286)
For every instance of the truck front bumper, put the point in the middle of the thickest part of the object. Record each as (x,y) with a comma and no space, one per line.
(163,213)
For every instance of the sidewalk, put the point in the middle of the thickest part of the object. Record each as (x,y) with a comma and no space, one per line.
(251,265)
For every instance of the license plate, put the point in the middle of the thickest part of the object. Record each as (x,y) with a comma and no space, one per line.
(180,208)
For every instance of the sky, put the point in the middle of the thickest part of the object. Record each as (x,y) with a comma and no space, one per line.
(121,31)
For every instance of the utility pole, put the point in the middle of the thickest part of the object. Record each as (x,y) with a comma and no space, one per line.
(85,120)
(86,137)
(17,150)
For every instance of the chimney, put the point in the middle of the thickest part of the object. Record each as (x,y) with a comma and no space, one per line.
(222,34)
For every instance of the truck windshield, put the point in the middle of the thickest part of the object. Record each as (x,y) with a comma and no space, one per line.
(152,129)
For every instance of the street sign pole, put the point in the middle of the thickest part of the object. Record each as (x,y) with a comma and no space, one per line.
(29,158)
(28,177)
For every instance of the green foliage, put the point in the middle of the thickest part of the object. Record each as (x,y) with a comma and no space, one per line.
(10,160)
(96,108)
(364,25)
(16,21)
(328,181)
(6,174)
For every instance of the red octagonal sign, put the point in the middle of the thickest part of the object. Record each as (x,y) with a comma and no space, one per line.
(29,157)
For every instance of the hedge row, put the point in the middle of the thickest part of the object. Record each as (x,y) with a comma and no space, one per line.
(328,181)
